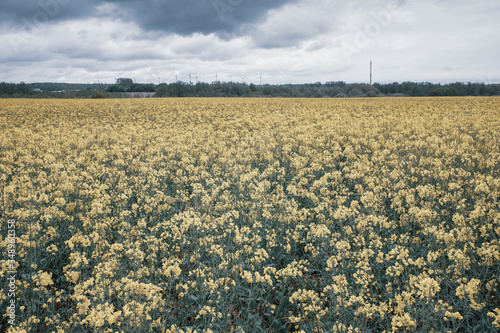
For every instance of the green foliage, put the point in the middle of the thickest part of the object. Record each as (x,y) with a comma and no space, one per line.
(125,82)
(100,94)
(116,88)
(15,90)
(235,89)
(443,91)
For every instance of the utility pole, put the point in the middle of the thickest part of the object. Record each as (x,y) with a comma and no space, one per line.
(370,72)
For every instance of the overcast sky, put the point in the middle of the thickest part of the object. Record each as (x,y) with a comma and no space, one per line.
(276,41)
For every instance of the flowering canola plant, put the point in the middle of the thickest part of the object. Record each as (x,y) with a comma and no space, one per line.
(252,215)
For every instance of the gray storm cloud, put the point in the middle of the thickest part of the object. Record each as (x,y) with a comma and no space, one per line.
(184,17)
(282,40)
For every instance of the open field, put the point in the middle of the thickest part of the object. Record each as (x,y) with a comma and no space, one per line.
(250,215)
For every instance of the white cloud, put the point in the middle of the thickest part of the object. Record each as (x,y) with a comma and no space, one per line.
(304,41)
(296,23)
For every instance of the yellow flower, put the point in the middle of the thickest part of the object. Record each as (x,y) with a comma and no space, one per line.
(43,279)
(52,249)
(469,289)
(428,287)
(402,321)
(496,317)
(172,271)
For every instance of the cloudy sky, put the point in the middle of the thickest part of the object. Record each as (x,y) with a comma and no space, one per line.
(276,41)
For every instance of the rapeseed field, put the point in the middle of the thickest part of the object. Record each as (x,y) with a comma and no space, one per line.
(250,215)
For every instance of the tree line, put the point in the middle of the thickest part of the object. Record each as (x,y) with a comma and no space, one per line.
(235,89)
(329,89)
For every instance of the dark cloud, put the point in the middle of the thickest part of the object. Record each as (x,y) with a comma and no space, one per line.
(283,40)
(184,17)
(197,16)
(20,13)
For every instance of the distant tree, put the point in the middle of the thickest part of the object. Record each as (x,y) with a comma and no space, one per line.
(333,91)
(24,89)
(100,94)
(7,89)
(125,82)
(318,92)
(137,87)
(356,92)
(340,84)
(494,89)
(116,88)
(443,91)
(161,90)
(415,89)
